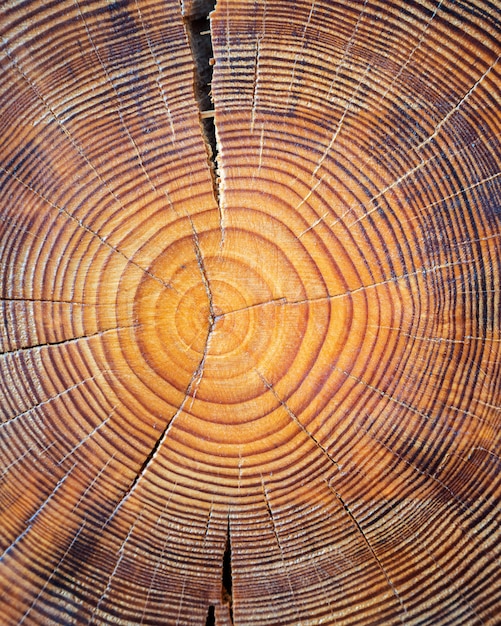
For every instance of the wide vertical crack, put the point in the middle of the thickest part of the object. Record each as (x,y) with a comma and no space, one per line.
(197,26)
(196,20)
(211,618)
(227,577)
(220,612)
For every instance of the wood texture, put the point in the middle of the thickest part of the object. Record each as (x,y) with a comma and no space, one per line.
(267,394)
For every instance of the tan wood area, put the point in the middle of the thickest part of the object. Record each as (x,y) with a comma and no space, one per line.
(253,380)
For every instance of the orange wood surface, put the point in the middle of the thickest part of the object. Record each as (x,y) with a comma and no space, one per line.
(278,362)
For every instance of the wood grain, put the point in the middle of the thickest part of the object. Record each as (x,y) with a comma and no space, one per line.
(260,386)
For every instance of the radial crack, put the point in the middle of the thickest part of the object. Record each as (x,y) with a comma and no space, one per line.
(227,577)
(120,554)
(191,391)
(46,301)
(200,40)
(456,108)
(211,619)
(296,420)
(41,508)
(53,572)
(275,301)
(102,238)
(373,552)
(285,565)
(205,279)
(65,342)
(193,384)
(56,396)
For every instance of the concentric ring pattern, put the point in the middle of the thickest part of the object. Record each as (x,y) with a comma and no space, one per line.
(294,358)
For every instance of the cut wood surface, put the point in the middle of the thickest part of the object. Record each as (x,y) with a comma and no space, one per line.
(250,366)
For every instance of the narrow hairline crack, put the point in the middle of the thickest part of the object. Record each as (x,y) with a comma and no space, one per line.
(392,280)
(285,563)
(373,553)
(296,420)
(66,342)
(203,272)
